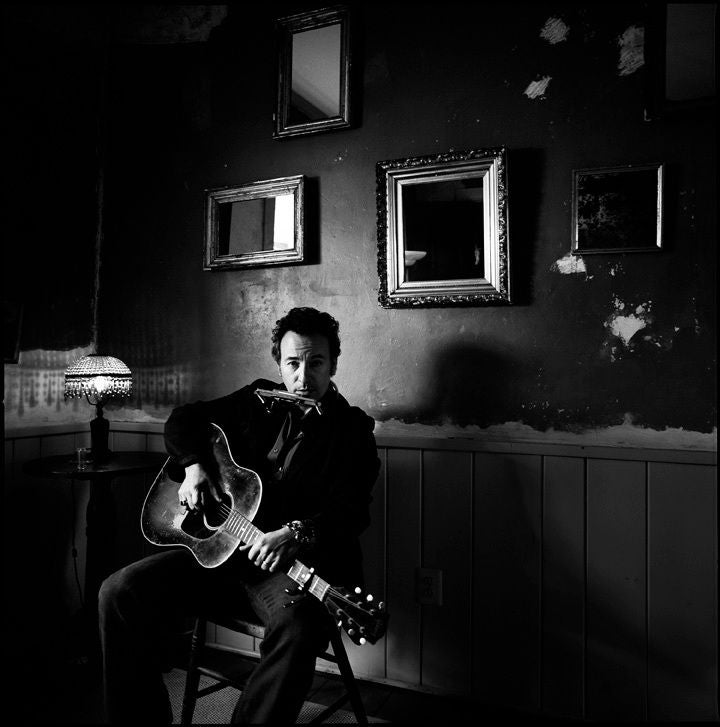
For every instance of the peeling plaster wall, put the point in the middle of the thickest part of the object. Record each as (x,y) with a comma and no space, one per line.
(612,349)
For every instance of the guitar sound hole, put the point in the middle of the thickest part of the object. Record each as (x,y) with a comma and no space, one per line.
(215,513)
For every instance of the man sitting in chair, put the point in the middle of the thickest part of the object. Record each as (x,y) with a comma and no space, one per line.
(318,465)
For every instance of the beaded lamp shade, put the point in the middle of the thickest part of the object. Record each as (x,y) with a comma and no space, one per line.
(99,378)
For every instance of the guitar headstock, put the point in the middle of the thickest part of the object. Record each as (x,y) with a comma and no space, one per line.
(363,619)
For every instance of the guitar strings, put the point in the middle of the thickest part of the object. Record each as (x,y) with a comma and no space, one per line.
(228,512)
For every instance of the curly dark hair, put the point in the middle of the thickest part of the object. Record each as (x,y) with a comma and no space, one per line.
(307,322)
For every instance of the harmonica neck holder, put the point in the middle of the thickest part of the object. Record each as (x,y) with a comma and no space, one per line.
(270,396)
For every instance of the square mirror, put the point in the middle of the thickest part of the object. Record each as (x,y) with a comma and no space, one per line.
(313,87)
(256,224)
(443,230)
(617,209)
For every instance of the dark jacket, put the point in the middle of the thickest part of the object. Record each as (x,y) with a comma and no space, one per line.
(328,479)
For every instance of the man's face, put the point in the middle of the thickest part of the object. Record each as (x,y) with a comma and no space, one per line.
(305,364)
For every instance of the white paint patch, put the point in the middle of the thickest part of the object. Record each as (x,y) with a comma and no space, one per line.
(537,88)
(569,265)
(554,31)
(624,326)
(632,50)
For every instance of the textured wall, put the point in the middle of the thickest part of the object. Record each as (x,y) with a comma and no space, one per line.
(607,348)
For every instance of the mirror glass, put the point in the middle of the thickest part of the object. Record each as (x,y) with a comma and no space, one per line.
(256,224)
(442,230)
(313,91)
(315,86)
(252,225)
(617,209)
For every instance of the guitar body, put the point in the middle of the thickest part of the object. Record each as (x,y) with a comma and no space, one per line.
(213,535)
(165,522)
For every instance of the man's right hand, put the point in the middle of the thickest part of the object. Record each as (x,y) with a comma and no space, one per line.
(196,487)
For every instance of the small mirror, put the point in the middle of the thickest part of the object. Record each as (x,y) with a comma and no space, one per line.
(442,230)
(313,72)
(254,225)
(617,209)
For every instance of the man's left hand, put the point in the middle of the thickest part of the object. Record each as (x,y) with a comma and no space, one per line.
(272,550)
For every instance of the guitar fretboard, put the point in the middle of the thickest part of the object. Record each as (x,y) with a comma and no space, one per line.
(239,526)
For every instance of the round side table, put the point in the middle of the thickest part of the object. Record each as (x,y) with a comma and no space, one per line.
(100,529)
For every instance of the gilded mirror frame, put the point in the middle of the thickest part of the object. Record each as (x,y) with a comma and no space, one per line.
(214,257)
(486,168)
(285,29)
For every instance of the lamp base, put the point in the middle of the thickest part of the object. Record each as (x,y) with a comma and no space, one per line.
(99,430)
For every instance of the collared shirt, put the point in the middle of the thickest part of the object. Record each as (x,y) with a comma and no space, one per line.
(286,444)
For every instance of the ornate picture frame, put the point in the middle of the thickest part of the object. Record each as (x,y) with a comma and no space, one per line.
(443,231)
(257,224)
(313,72)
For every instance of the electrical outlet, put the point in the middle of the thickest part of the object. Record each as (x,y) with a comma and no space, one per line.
(428,586)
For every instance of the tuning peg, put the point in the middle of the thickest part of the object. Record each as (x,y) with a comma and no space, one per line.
(381,605)
(358,589)
(369,597)
(340,623)
(362,641)
(351,632)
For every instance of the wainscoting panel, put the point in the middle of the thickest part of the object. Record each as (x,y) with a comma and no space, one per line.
(506,575)
(576,581)
(59,444)
(563,587)
(446,545)
(404,636)
(682,592)
(370,660)
(616,591)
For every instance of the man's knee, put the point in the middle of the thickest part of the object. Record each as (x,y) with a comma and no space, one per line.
(112,590)
(302,626)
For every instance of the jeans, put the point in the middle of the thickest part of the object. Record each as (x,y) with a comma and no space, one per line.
(142,605)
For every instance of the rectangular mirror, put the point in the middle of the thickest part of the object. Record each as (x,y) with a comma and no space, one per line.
(617,209)
(255,225)
(679,53)
(443,230)
(313,91)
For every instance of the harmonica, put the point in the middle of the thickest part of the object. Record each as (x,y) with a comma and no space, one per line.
(286,396)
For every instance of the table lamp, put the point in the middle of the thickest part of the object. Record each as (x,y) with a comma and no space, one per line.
(100,379)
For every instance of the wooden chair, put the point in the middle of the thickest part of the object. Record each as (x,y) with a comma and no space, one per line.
(222,666)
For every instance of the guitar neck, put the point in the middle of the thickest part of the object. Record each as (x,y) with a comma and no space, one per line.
(238,525)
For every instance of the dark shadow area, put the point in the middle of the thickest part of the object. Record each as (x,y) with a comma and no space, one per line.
(52,89)
(467,385)
(525,174)
(357,65)
(312,221)
(43,638)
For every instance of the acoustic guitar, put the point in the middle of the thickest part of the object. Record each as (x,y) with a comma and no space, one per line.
(213,534)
